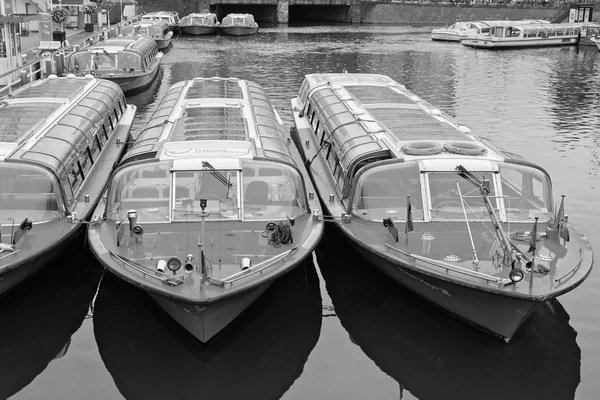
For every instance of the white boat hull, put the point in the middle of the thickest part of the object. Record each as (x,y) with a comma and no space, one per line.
(492,43)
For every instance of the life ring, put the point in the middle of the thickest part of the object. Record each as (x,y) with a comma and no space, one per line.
(465,148)
(523,236)
(422,148)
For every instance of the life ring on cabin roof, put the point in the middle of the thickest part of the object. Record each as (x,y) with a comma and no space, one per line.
(422,148)
(465,148)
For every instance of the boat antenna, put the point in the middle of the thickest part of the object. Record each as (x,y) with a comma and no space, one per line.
(462,202)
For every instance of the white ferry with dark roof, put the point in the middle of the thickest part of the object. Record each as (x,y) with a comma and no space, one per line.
(59,141)
(210,205)
(447,214)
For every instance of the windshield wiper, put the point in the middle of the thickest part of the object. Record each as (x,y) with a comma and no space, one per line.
(219,176)
(484,188)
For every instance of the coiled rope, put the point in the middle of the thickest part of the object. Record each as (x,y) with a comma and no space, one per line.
(278,233)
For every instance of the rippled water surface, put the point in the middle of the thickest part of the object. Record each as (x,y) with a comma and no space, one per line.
(334,328)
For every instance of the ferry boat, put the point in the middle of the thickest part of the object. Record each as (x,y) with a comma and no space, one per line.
(210,205)
(238,25)
(157,30)
(534,35)
(435,207)
(130,61)
(198,24)
(590,32)
(460,30)
(60,138)
(171,17)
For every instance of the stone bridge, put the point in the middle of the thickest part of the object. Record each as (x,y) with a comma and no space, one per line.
(280,11)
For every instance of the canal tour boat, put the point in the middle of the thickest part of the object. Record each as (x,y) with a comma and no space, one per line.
(238,25)
(60,138)
(438,209)
(130,61)
(170,17)
(461,30)
(198,24)
(533,35)
(210,205)
(157,30)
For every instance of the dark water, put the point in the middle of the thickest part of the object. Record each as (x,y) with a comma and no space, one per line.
(337,330)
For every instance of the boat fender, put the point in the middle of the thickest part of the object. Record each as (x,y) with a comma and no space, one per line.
(422,148)
(465,148)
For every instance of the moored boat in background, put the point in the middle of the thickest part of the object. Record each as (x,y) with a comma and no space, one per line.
(519,36)
(210,205)
(197,24)
(157,30)
(171,17)
(461,30)
(385,161)
(59,142)
(130,61)
(238,25)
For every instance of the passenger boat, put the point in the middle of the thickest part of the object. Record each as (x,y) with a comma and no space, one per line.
(157,30)
(130,61)
(197,24)
(238,25)
(589,34)
(460,30)
(415,344)
(262,354)
(210,205)
(435,207)
(596,42)
(60,138)
(534,35)
(171,17)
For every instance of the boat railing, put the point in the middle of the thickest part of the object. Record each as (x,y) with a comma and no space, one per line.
(53,62)
(454,268)
(256,269)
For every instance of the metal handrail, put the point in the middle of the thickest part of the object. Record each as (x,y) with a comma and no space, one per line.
(572,270)
(252,270)
(453,268)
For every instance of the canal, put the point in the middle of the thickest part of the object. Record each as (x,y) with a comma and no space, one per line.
(335,328)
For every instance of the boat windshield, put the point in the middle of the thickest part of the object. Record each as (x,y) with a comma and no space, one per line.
(382,191)
(28,192)
(270,191)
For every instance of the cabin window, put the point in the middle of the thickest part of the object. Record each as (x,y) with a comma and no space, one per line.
(219,188)
(129,61)
(527,193)
(382,192)
(75,177)
(144,188)
(112,126)
(116,114)
(28,192)
(94,147)
(277,193)
(68,191)
(105,131)
(85,163)
(101,137)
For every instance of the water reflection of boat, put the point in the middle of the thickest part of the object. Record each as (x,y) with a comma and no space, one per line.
(150,357)
(39,317)
(434,356)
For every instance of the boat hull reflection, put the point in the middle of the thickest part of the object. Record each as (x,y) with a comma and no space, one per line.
(434,356)
(150,356)
(44,313)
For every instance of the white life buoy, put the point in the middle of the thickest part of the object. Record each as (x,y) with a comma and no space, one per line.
(422,148)
(465,148)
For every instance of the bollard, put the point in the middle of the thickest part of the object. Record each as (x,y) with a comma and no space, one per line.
(23,76)
(59,62)
(48,68)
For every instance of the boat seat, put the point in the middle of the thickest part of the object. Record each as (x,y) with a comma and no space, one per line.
(257,193)
(145,192)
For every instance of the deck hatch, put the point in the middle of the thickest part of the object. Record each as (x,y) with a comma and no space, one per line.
(210,123)
(377,94)
(211,89)
(17,119)
(407,124)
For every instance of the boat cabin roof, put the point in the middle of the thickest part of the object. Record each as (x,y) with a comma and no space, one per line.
(201,15)
(140,45)
(212,117)
(249,18)
(366,116)
(152,25)
(540,27)
(44,121)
